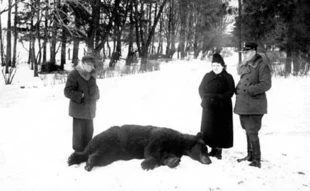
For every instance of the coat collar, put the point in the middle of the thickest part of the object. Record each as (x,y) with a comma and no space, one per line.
(84,74)
(254,62)
(215,76)
(257,59)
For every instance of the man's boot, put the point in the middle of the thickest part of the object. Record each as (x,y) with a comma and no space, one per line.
(256,154)
(250,150)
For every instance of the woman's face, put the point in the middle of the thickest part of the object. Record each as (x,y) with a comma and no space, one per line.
(217,67)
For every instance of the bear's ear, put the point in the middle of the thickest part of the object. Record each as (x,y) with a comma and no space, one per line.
(199,135)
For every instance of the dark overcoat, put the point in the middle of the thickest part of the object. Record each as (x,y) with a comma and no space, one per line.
(216,91)
(255,80)
(81,107)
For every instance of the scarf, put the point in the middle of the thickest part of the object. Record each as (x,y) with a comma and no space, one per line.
(83,73)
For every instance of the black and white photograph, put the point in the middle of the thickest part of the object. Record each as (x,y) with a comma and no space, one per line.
(154,95)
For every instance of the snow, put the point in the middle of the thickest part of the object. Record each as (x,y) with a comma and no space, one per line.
(36,133)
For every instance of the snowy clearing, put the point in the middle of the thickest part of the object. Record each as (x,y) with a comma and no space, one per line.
(35,134)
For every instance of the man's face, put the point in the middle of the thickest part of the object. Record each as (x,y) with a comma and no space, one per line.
(248,55)
(88,65)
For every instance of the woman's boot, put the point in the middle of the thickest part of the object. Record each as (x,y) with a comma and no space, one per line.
(212,152)
(218,153)
(249,157)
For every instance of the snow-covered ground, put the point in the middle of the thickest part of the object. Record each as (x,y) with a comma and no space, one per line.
(36,131)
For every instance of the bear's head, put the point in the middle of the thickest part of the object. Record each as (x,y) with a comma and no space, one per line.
(198,150)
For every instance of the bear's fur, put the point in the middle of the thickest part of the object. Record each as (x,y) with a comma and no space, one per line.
(157,146)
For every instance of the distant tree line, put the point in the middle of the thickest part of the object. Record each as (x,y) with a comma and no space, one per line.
(284,24)
(179,25)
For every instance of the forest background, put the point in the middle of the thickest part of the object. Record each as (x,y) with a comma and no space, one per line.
(141,31)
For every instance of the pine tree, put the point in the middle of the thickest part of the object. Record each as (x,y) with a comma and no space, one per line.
(281,23)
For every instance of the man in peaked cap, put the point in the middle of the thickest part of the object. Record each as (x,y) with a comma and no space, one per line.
(251,100)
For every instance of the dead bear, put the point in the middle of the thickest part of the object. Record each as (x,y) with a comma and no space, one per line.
(156,145)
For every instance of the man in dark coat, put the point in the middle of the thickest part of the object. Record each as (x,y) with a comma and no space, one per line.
(251,100)
(216,90)
(82,90)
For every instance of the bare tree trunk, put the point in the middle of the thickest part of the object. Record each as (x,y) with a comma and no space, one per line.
(288,63)
(198,31)
(8,39)
(32,43)
(75,54)
(183,15)
(104,56)
(189,35)
(30,47)
(131,53)
(63,48)
(150,36)
(34,60)
(93,29)
(170,49)
(289,53)
(195,46)
(240,31)
(168,39)
(160,37)
(1,45)
(76,44)
(109,48)
(137,27)
(9,70)
(151,48)
(117,41)
(15,36)
(296,64)
(45,34)
(37,58)
(52,62)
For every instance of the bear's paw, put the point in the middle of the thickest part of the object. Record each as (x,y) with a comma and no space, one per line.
(149,164)
(172,162)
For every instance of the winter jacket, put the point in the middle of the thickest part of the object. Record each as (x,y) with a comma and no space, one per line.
(255,80)
(81,82)
(216,91)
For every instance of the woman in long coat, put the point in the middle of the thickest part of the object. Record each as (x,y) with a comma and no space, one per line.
(216,90)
